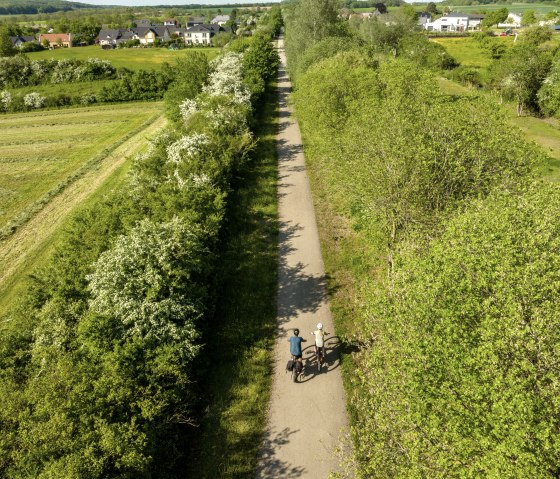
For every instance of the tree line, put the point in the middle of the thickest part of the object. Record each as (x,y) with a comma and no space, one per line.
(457,369)
(99,362)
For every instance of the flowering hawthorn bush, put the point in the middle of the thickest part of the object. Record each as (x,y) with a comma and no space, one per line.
(34,100)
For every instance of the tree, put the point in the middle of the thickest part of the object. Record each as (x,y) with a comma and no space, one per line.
(6,47)
(381,8)
(536,35)
(520,73)
(465,352)
(495,17)
(431,7)
(308,22)
(528,18)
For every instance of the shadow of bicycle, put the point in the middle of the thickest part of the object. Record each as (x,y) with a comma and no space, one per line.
(331,362)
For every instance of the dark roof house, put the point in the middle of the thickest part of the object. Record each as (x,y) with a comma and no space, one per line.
(19,40)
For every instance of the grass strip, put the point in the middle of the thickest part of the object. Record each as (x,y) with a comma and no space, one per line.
(240,338)
(38,205)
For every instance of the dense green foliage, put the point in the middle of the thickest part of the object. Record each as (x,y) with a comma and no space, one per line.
(20,71)
(30,7)
(470,331)
(99,362)
(456,363)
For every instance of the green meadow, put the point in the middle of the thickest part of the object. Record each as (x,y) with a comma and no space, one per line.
(39,151)
(468,52)
(132,58)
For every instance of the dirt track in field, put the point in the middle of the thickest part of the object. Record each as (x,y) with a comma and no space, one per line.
(306,419)
(37,232)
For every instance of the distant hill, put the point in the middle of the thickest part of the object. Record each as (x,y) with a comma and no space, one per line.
(15,7)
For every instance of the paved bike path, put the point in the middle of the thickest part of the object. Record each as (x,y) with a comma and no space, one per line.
(308,418)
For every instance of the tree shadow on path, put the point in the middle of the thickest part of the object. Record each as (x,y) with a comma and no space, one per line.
(269,464)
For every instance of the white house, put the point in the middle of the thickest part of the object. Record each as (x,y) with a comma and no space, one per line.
(455,22)
(220,19)
(201,34)
(512,21)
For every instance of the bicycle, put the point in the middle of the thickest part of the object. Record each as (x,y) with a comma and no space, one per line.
(297,368)
(320,356)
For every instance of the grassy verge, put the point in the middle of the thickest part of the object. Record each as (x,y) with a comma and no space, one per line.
(240,337)
(543,131)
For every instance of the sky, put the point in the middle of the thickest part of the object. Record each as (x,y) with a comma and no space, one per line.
(142,3)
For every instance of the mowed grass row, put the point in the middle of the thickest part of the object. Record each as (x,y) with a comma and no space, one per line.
(131,58)
(38,151)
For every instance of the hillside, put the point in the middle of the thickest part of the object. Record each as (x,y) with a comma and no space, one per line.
(30,7)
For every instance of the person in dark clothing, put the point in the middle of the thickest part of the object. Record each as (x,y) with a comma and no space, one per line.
(295,344)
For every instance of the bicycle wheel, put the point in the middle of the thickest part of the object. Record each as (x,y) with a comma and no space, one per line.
(294,374)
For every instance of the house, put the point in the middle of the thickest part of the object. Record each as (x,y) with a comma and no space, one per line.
(220,19)
(145,35)
(56,39)
(455,22)
(19,40)
(149,35)
(202,34)
(194,21)
(513,20)
(423,18)
(109,36)
(170,22)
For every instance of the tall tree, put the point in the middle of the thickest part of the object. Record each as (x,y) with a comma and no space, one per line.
(6,47)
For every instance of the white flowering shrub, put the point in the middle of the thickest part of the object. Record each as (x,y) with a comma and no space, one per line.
(39,69)
(146,282)
(227,78)
(87,99)
(185,149)
(5,99)
(187,108)
(34,100)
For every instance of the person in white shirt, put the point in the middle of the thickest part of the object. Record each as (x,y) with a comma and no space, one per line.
(320,334)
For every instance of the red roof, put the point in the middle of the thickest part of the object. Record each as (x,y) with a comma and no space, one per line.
(54,37)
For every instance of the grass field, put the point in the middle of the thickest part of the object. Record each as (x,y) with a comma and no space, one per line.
(38,151)
(468,52)
(513,7)
(132,58)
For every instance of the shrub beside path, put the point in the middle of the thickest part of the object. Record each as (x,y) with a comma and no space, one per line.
(306,419)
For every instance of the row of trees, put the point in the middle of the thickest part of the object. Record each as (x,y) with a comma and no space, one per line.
(524,72)
(458,374)
(20,71)
(98,363)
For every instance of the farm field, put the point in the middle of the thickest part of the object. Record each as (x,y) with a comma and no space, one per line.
(132,58)
(26,249)
(39,151)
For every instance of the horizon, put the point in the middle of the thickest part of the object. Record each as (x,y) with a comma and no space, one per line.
(162,3)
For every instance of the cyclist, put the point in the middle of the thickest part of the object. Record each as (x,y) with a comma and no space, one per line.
(295,348)
(320,334)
